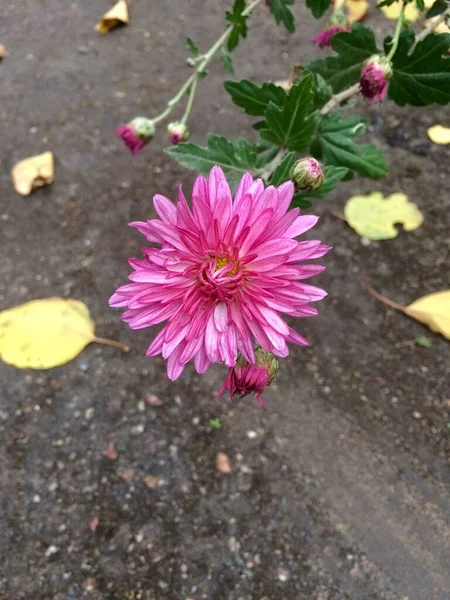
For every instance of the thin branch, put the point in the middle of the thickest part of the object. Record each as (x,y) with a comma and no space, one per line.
(337,99)
(383,299)
(431,25)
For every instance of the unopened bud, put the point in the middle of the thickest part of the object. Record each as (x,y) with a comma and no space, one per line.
(307,175)
(375,75)
(178,132)
(137,133)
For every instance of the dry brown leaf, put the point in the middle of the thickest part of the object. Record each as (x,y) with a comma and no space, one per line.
(223,463)
(117,15)
(33,172)
(2,51)
(432,310)
(111,451)
(151,481)
(356,10)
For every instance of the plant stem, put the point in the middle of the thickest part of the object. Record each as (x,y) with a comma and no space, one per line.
(398,30)
(274,163)
(106,342)
(337,99)
(432,24)
(190,101)
(201,67)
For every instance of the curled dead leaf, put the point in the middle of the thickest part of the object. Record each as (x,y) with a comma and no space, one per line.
(432,310)
(223,463)
(117,15)
(374,216)
(2,51)
(393,11)
(439,135)
(46,333)
(33,172)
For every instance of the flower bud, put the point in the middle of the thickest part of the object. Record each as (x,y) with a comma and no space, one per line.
(178,132)
(375,74)
(307,175)
(337,23)
(246,378)
(137,133)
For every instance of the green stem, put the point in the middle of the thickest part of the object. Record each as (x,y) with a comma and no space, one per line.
(201,67)
(190,101)
(398,30)
(274,163)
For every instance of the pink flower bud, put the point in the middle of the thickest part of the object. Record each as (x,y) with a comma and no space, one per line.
(375,74)
(178,132)
(336,24)
(137,133)
(307,175)
(245,378)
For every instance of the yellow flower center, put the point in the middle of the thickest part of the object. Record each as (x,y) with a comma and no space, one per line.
(222,261)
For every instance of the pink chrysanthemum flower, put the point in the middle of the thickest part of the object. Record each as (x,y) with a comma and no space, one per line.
(222,273)
(136,134)
(323,38)
(244,379)
(374,78)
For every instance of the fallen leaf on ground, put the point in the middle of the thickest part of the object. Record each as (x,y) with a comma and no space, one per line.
(33,172)
(151,481)
(223,463)
(432,310)
(111,451)
(46,333)
(117,15)
(374,217)
(393,11)
(2,51)
(356,10)
(439,135)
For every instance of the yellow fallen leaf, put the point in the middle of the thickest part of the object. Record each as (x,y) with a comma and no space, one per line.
(393,11)
(356,10)
(441,26)
(117,15)
(2,51)
(42,334)
(432,310)
(33,172)
(439,134)
(374,217)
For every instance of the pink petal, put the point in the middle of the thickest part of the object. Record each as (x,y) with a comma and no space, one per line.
(221,316)
(300,225)
(166,209)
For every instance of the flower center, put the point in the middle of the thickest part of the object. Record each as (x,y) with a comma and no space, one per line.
(223,261)
(217,285)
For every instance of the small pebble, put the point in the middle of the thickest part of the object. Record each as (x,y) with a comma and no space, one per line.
(283,575)
(252,435)
(51,550)
(36,498)
(417,414)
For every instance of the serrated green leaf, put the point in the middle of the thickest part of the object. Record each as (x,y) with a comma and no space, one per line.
(227,62)
(254,99)
(334,144)
(322,91)
(282,13)
(438,8)
(266,152)
(354,48)
(300,201)
(293,125)
(318,7)
(283,172)
(422,77)
(235,157)
(192,47)
(239,22)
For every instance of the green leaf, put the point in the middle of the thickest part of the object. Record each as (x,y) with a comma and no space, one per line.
(282,13)
(333,175)
(318,7)
(420,5)
(235,157)
(423,341)
(322,91)
(227,62)
(422,77)
(266,152)
(192,47)
(239,22)
(354,48)
(334,144)
(438,8)
(283,172)
(254,99)
(293,125)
